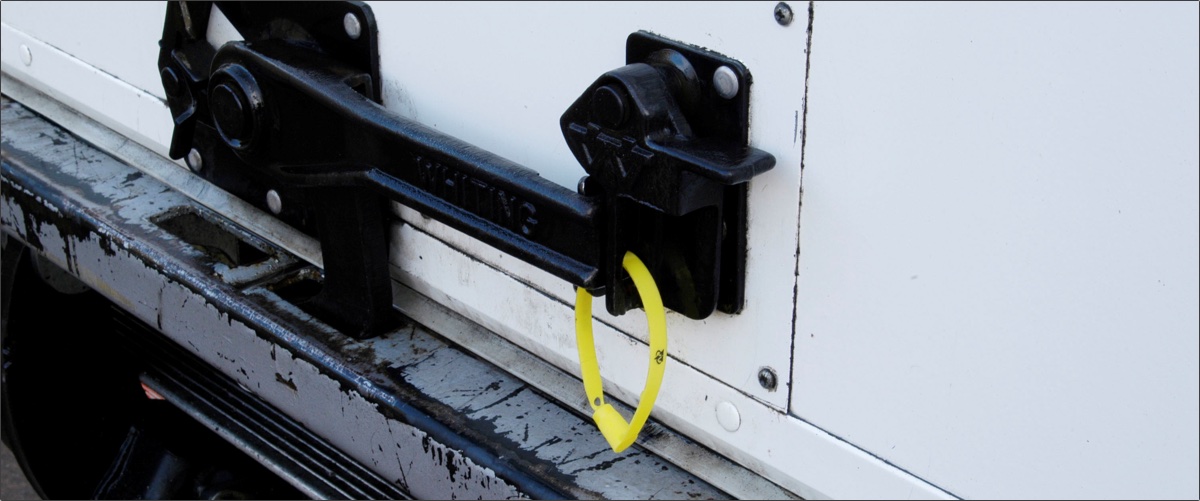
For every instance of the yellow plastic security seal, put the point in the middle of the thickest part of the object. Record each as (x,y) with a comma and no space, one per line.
(620,434)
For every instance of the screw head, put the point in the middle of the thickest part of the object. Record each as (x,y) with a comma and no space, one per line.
(608,107)
(767,379)
(783,14)
(26,55)
(352,25)
(194,160)
(725,81)
(274,202)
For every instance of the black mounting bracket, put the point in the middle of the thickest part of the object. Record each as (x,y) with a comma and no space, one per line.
(293,110)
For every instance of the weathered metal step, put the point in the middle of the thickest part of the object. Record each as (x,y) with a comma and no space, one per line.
(281,444)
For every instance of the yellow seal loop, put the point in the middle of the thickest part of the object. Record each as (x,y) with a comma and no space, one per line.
(621,434)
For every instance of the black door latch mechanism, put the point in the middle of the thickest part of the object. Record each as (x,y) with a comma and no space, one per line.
(294,110)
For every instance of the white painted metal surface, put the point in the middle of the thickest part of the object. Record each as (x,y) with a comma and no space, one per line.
(992,196)
(103,76)
(998,271)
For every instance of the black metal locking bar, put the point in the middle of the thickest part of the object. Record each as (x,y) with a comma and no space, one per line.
(295,108)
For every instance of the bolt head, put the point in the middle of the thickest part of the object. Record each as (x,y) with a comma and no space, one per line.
(608,107)
(194,160)
(229,112)
(725,82)
(783,14)
(237,106)
(767,379)
(352,25)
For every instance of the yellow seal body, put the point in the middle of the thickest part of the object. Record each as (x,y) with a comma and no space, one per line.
(619,433)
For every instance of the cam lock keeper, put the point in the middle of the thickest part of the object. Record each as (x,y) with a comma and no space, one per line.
(299,113)
(619,433)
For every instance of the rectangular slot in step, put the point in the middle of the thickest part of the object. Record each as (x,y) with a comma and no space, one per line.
(303,289)
(298,287)
(212,238)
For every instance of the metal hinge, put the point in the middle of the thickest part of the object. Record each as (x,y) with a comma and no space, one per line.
(293,110)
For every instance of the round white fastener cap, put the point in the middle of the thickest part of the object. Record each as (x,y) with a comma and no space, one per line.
(728,416)
(352,25)
(274,202)
(725,81)
(194,160)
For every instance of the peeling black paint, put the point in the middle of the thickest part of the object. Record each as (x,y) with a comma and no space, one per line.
(290,384)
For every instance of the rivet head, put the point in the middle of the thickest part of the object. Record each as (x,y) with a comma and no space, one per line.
(26,55)
(767,379)
(783,14)
(352,25)
(274,202)
(608,107)
(725,81)
(728,416)
(194,160)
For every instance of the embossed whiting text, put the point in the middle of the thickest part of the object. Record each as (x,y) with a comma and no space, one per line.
(477,196)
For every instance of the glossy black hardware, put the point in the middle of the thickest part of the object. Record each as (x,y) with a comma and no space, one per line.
(294,108)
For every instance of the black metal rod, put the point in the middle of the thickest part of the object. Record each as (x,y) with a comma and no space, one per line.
(494,200)
(556,263)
